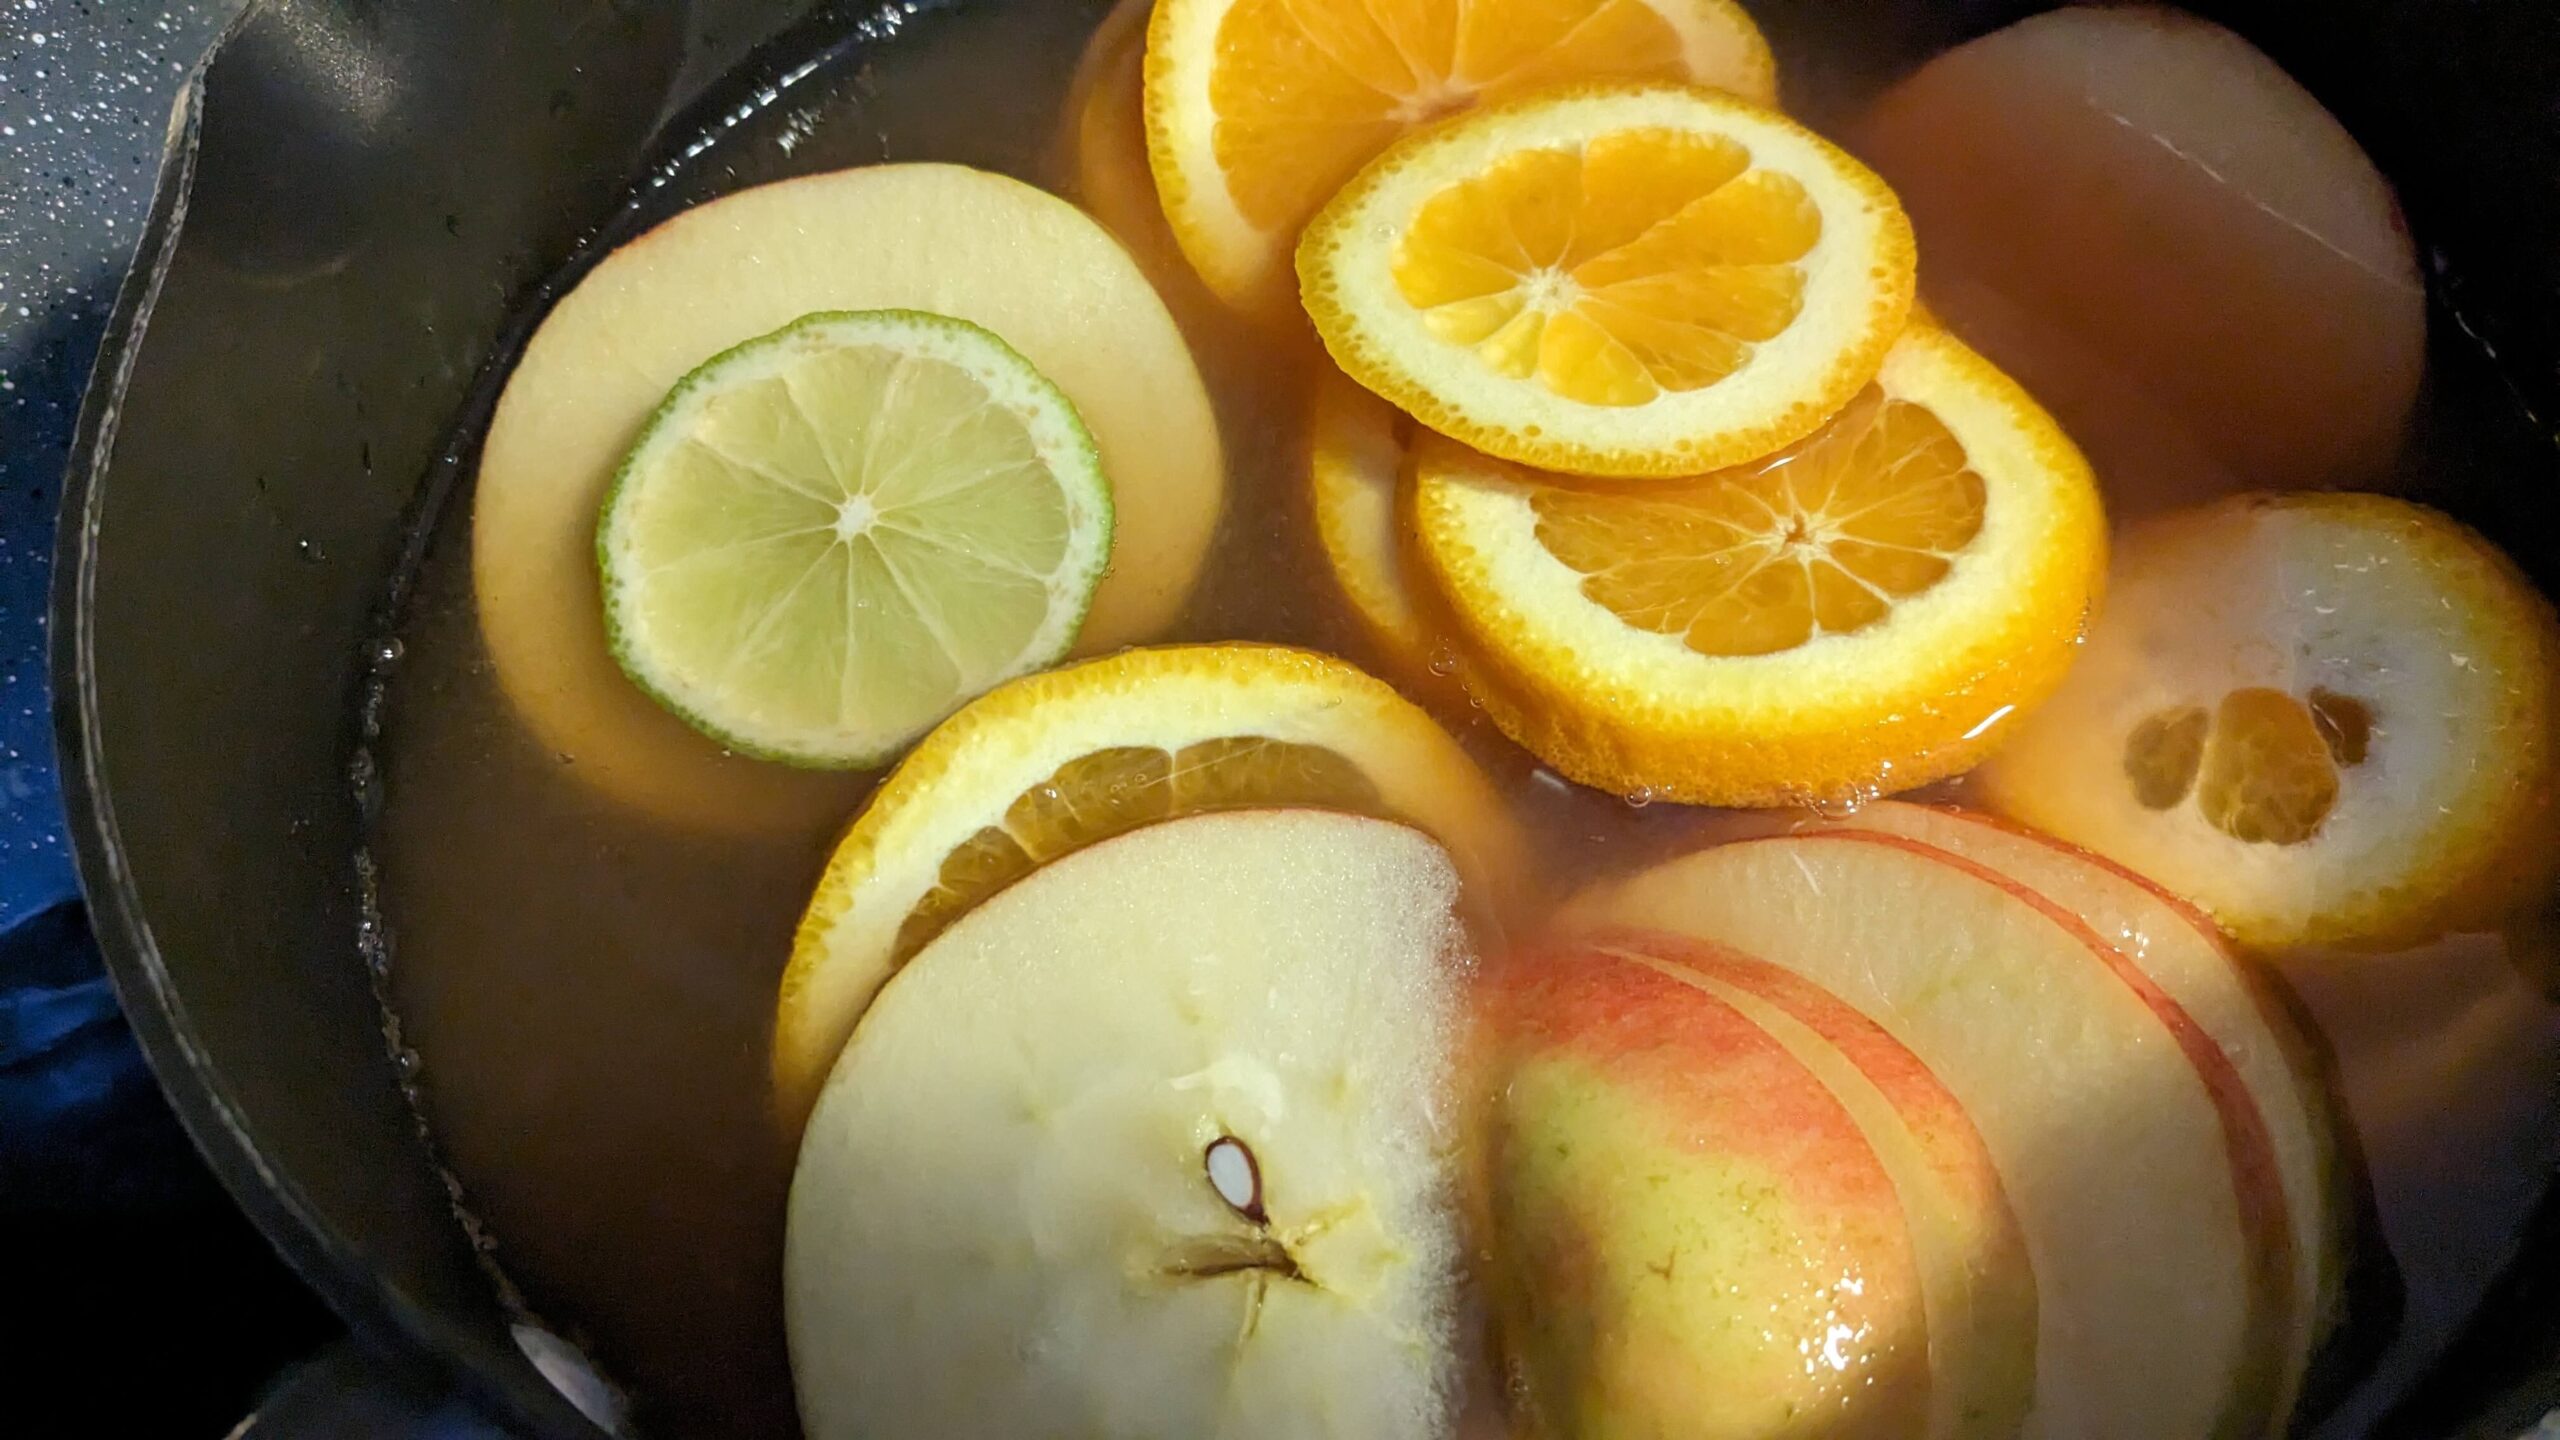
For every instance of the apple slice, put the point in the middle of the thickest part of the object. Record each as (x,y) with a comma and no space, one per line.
(1031,268)
(1688,1232)
(1977,1284)
(1154,1142)
(2139,1167)
(2187,954)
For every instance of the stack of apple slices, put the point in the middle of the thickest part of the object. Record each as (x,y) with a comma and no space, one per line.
(2149,1130)
(1152,1143)
(1910,1125)
(1716,1191)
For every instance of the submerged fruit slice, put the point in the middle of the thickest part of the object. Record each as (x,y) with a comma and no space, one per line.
(1055,762)
(2139,1166)
(1257,110)
(1025,265)
(1858,613)
(1105,133)
(2323,718)
(1151,1144)
(1687,1231)
(1357,448)
(830,537)
(2168,240)
(2178,947)
(1613,279)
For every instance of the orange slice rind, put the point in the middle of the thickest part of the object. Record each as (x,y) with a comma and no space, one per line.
(2327,719)
(1863,613)
(1053,762)
(1357,445)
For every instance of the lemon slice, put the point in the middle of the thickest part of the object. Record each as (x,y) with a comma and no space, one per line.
(2327,719)
(1858,614)
(1057,761)
(1613,279)
(1257,110)
(831,536)
(1356,449)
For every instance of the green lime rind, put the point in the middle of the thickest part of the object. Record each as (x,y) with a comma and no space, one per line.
(1065,451)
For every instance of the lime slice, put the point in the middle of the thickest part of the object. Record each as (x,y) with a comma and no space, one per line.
(829,538)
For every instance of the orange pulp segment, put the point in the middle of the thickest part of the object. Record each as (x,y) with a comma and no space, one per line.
(1823,538)
(1645,261)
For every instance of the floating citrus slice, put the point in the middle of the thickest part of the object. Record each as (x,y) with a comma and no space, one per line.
(1859,613)
(1613,279)
(1023,264)
(830,537)
(1257,110)
(1057,761)
(2324,718)
(1357,445)
(1104,131)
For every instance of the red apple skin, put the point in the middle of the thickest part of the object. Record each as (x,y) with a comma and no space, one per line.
(1965,1234)
(1687,1233)
(2319,1181)
(2256,1181)
(2247,1395)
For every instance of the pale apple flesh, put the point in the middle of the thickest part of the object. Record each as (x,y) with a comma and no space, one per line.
(1154,1142)
(2170,242)
(2182,949)
(1688,1233)
(1976,1280)
(2138,1168)
(1026,265)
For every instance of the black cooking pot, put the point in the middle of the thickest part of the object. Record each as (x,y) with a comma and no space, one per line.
(364,206)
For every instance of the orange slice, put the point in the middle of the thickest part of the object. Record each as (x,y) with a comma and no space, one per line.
(1257,110)
(1357,446)
(1103,159)
(1054,762)
(2326,719)
(1857,614)
(1613,279)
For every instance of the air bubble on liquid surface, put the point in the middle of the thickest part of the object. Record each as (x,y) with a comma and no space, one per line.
(1639,797)
(1844,805)
(1444,660)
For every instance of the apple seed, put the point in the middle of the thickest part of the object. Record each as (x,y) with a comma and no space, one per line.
(1237,1177)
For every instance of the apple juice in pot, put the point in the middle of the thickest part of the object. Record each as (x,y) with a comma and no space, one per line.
(1930,879)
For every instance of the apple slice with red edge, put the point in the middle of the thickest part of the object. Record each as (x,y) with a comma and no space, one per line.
(2182,949)
(1685,1230)
(1976,1281)
(2140,1169)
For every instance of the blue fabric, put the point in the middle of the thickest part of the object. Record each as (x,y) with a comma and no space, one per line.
(81,1125)
(80,1122)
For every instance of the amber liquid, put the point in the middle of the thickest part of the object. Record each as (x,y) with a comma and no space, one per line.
(583,994)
